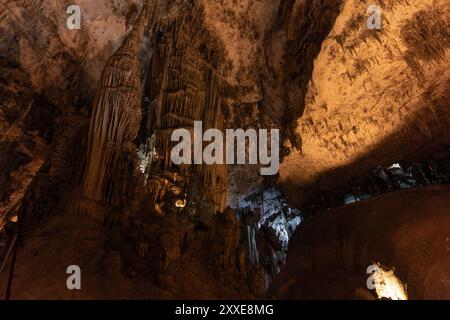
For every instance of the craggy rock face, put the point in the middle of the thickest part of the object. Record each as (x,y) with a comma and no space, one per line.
(86,117)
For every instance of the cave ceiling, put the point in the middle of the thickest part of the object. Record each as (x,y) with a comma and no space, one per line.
(345,98)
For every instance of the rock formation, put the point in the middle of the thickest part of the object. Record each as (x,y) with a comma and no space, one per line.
(115,122)
(370,88)
(86,118)
(406,230)
(183,86)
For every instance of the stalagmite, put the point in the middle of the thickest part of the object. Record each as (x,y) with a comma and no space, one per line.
(115,122)
(90,113)
(184,87)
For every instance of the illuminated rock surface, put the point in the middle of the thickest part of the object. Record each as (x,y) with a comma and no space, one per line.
(85,123)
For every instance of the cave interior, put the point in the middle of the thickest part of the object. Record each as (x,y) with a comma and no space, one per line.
(87,114)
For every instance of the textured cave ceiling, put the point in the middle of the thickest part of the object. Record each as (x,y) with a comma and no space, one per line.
(346,98)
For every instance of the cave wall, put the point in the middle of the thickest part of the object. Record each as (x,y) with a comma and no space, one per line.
(375,96)
(48,81)
(407,230)
(184,85)
(309,68)
(346,99)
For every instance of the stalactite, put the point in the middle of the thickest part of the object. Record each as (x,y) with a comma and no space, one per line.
(184,87)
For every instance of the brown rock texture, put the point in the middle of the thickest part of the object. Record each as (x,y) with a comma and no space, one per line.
(183,86)
(115,121)
(407,230)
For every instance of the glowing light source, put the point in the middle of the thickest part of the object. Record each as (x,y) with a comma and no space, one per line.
(387,285)
(180,203)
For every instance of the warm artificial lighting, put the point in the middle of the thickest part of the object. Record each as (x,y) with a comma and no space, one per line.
(387,285)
